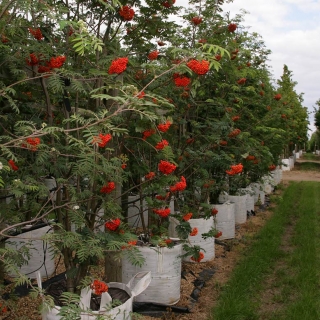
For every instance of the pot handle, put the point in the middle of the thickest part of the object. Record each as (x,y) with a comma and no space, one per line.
(39,281)
(139,282)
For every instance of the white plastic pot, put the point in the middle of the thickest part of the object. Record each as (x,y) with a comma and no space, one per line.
(137,284)
(240,208)
(40,256)
(268,183)
(165,266)
(250,197)
(285,164)
(259,194)
(223,197)
(224,220)
(291,162)
(203,226)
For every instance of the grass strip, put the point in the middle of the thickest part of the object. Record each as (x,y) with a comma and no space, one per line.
(237,299)
(310,156)
(305,259)
(308,166)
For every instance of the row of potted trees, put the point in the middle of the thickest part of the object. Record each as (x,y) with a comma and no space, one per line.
(106,106)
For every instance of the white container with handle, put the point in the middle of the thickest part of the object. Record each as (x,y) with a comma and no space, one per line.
(137,284)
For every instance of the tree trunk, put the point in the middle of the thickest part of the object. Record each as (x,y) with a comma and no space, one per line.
(113,267)
(2,245)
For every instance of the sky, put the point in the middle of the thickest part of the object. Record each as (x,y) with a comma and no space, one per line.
(291,30)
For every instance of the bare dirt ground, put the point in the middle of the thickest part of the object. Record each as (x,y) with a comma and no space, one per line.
(301,175)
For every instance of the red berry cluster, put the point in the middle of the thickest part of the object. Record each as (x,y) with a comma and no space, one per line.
(99,287)
(150,175)
(199,67)
(148,133)
(109,187)
(179,186)
(31,143)
(235,118)
(160,145)
(43,69)
(101,140)
(153,55)
(250,157)
(234,54)
(166,167)
(118,65)
(223,142)
(36,33)
(181,81)
(12,165)
(234,133)
(218,234)
(164,127)
(57,62)
(214,211)
(113,225)
(235,169)
(132,242)
(163,213)
(242,81)
(194,232)
(277,97)
(160,197)
(196,20)
(201,256)
(126,12)
(168,3)
(4,39)
(232,27)
(141,95)
(187,216)
(32,60)
(53,63)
